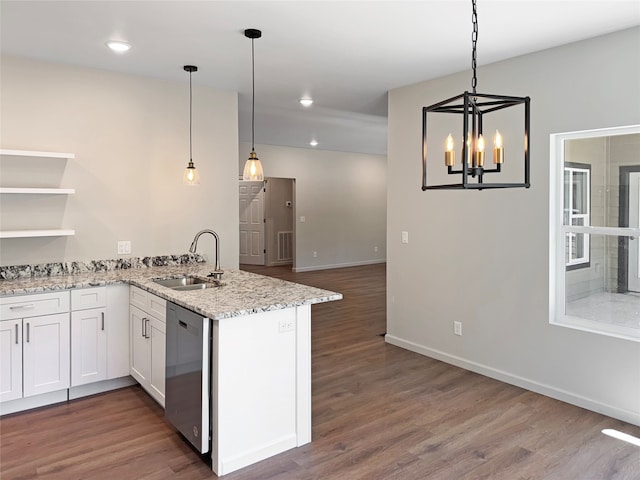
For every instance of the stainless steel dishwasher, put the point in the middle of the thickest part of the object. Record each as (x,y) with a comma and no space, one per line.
(188,388)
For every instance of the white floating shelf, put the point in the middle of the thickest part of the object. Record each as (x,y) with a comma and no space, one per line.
(36,233)
(34,153)
(41,191)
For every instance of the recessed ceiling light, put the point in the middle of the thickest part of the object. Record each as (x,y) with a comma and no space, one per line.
(306,102)
(313,143)
(118,46)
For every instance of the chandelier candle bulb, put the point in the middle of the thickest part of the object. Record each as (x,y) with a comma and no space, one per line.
(479,154)
(498,150)
(449,153)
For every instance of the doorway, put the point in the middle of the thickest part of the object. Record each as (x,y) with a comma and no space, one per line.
(629,216)
(267,226)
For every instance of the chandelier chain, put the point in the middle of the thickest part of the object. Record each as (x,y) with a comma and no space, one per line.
(474,42)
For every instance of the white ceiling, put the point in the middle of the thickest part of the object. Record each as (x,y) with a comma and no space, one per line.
(345,54)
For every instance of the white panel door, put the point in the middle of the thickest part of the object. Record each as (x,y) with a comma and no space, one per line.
(252,223)
(634,221)
(10,360)
(88,346)
(46,356)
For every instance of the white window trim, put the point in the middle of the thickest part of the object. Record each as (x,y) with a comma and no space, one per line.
(586,217)
(558,231)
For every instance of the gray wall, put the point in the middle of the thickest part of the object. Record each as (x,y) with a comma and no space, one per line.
(482,258)
(342,197)
(130,136)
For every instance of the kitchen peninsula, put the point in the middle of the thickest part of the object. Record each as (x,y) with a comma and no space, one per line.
(260,352)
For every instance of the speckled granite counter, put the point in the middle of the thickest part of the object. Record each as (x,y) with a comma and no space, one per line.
(242,293)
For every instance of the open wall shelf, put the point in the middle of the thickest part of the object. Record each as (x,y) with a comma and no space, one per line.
(56,232)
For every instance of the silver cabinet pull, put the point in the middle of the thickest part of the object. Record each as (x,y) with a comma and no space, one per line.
(28,333)
(146,328)
(102,321)
(16,334)
(22,307)
(143,333)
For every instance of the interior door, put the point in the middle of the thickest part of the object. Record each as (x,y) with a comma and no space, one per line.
(634,242)
(252,247)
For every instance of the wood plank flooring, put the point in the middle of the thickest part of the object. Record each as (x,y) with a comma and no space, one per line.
(379,412)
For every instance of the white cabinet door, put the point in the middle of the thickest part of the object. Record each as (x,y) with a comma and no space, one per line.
(10,360)
(117,331)
(88,346)
(158,332)
(46,362)
(138,333)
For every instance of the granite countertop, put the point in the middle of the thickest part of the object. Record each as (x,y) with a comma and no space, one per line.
(242,293)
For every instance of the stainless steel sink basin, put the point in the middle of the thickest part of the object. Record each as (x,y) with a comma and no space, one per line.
(188,283)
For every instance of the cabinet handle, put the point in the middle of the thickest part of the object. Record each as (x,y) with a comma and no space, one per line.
(143,324)
(22,307)
(28,333)
(16,334)
(146,328)
(103,321)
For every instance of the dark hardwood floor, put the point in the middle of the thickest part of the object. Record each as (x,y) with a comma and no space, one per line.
(379,412)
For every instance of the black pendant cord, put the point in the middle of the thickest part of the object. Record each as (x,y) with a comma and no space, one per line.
(253,98)
(474,42)
(190,117)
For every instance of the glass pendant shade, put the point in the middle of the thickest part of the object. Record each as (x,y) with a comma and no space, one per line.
(191,175)
(253,168)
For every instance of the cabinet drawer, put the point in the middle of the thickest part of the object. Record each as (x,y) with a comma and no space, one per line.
(148,302)
(86,298)
(24,306)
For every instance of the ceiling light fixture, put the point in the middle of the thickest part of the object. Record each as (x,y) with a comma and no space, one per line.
(313,143)
(473,107)
(191,175)
(306,102)
(253,167)
(118,46)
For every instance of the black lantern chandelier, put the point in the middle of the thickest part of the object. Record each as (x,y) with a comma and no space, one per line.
(473,107)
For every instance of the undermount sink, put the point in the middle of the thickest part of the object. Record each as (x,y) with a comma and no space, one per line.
(188,283)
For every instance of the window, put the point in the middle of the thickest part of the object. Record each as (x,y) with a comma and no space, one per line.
(595,231)
(577,193)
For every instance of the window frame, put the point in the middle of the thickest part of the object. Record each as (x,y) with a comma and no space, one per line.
(583,262)
(557,237)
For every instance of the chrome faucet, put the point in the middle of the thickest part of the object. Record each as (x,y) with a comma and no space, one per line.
(217,273)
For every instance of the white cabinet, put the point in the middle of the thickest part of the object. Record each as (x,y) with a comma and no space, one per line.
(10,360)
(45,354)
(117,331)
(88,335)
(34,345)
(147,317)
(54,232)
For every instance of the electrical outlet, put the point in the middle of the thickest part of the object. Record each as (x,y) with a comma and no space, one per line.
(457,328)
(405,237)
(124,247)
(285,325)
(303,219)
(375,249)
(315,254)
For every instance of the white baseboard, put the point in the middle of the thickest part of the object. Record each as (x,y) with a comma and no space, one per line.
(338,265)
(244,459)
(543,389)
(100,387)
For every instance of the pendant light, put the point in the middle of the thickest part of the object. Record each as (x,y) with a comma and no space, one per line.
(191,175)
(473,107)
(253,167)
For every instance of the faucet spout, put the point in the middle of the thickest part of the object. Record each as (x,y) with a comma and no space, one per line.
(217,273)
